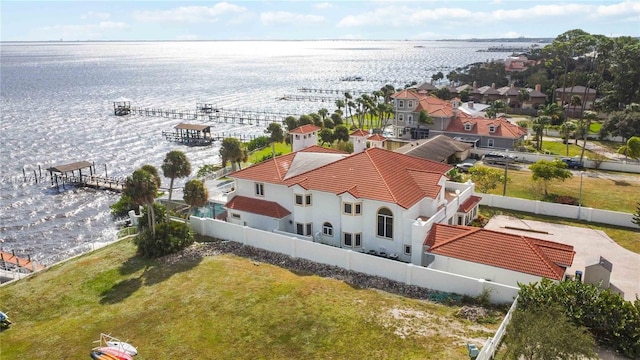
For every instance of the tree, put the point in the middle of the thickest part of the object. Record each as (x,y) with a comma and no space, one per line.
(546,171)
(141,187)
(341,133)
(195,193)
(523,95)
(438,76)
(153,171)
(175,165)
(553,111)
(290,123)
(631,148)
(443,93)
(495,108)
(323,114)
(575,101)
(545,332)
(622,123)
(337,118)
(589,116)
(275,132)
(566,129)
(326,136)
(538,126)
(232,151)
(424,119)
(486,178)
(305,120)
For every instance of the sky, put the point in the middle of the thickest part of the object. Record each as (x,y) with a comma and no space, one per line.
(26,20)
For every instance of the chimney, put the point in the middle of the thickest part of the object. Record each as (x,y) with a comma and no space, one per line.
(470,104)
(513,85)
(493,85)
(475,86)
(538,87)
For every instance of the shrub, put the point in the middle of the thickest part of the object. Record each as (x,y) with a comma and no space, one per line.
(258,143)
(207,169)
(122,207)
(170,237)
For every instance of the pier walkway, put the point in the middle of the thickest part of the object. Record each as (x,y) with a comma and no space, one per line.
(13,267)
(66,175)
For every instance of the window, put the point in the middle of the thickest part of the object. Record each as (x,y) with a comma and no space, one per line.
(347,208)
(400,103)
(235,216)
(299,228)
(259,189)
(492,128)
(352,240)
(297,137)
(490,143)
(410,104)
(304,229)
(410,119)
(352,208)
(467,127)
(407,249)
(299,199)
(385,223)
(303,200)
(309,228)
(400,117)
(327,229)
(459,220)
(307,200)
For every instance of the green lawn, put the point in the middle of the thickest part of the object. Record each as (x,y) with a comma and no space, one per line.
(282,148)
(220,307)
(560,149)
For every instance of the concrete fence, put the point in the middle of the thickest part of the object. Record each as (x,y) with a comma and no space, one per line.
(560,210)
(352,260)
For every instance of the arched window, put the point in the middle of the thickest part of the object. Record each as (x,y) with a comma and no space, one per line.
(385,223)
(327,229)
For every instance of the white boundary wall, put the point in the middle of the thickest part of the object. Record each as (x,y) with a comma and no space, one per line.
(560,210)
(355,261)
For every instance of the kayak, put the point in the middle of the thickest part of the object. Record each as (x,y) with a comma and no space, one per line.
(123,346)
(118,354)
(99,355)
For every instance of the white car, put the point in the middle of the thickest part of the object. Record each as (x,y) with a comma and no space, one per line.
(464,167)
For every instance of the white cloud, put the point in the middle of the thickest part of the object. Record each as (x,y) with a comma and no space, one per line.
(284,17)
(323,6)
(623,8)
(95,15)
(191,14)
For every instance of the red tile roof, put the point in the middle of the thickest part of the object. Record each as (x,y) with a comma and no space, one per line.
(375,173)
(508,251)
(304,129)
(322,150)
(480,126)
(435,107)
(360,132)
(257,206)
(407,94)
(376,137)
(468,204)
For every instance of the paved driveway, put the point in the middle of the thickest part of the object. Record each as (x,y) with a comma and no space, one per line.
(588,244)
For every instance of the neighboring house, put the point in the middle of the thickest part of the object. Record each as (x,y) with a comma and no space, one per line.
(517,63)
(473,109)
(495,256)
(449,119)
(374,200)
(536,98)
(439,148)
(587,96)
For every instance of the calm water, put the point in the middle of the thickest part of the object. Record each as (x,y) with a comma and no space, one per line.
(57,100)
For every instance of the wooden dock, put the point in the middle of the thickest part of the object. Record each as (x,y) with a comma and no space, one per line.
(10,262)
(66,175)
(312,98)
(333,91)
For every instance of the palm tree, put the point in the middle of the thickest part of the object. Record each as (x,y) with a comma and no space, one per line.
(553,111)
(153,171)
(589,116)
(323,114)
(423,119)
(566,129)
(141,187)
(496,107)
(195,193)
(631,148)
(340,104)
(575,101)
(232,151)
(523,95)
(538,127)
(175,165)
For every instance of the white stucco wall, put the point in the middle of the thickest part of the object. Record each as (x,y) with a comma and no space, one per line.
(482,271)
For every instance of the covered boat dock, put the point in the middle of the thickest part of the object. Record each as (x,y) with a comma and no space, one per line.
(190,134)
(66,175)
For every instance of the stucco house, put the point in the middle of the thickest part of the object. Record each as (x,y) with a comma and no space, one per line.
(374,200)
(495,256)
(450,120)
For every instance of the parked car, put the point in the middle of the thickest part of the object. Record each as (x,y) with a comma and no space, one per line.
(464,167)
(497,158)
(573,163)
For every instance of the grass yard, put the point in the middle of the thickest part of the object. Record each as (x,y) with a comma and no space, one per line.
(282,148)
(220,307)
(560,149)
(601,193)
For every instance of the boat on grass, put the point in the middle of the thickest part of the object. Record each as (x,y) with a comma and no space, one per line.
(111,346)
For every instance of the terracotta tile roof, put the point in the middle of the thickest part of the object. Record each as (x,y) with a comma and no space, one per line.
(375,173)
(376,137)
(407,94)
(304,129)
(322,150)
(468,204)
(435,107)
(507,251)
(438,148)
(257,206)
(480,126)
(360,132)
